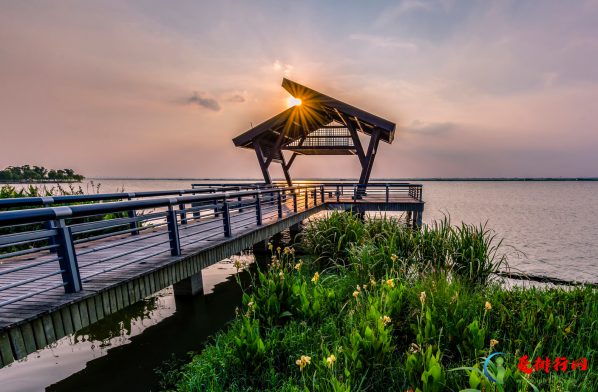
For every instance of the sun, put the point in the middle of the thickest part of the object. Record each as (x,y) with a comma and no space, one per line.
(293,102)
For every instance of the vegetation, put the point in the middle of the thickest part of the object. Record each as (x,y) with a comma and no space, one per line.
(38,173)
(376,306)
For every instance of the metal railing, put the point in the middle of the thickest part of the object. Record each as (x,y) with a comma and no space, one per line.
(85,244)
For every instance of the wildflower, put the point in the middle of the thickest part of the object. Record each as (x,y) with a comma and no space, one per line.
(422,297)
(394,257)
(355,294)
(365,286)
(274,258)
(358,288)
(278,249)
(270,246)
(280,273)
(493,342)
(372,282)
(297,267)
(488,306)
(331,359)
(391,283)
(237,265)
(385,320)
(303,362)
(315,278)
(286,250)
(454,298)
(250,304)
(292,251)
(383,281)
(414,348)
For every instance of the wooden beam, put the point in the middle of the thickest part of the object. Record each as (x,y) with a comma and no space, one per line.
(371,155)
(260,158)
(356,141)
(285,169)
(291,160)
(276,146)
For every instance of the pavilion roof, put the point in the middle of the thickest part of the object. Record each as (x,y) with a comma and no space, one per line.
(316,111)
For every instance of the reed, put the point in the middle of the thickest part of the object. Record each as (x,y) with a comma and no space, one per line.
(376,306)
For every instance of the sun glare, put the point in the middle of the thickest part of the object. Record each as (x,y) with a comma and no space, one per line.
(293,102)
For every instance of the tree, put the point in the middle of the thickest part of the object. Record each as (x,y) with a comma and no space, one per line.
(69,173)
(42,171)
(52,175)
(5,175)
(60,174)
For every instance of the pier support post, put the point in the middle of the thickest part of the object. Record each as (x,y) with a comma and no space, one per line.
(419,219)
(295,229)
(261,247)
(189,287)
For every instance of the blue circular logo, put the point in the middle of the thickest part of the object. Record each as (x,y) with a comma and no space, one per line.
(486,366)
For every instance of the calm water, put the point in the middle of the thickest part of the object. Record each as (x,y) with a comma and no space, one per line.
(554,223)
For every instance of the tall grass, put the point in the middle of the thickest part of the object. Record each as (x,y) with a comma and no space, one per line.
(376,306)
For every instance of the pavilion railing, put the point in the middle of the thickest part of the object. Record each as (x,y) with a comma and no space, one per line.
(85,241)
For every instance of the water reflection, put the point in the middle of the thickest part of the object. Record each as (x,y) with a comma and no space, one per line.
(120,352)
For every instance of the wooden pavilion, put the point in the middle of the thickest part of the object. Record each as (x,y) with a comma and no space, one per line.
(320,125)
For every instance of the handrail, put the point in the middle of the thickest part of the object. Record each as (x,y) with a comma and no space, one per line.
(8,218)
(46,201)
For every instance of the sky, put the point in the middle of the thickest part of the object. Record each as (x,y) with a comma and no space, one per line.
(158,89)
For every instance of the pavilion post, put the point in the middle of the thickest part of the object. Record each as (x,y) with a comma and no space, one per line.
(260,158)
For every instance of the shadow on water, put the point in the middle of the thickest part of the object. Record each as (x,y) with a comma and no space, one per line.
(120,352)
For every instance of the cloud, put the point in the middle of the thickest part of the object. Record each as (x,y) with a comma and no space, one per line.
(406,6)
(277,65)
(428,128)
(202,99)
(385,42)
(237,98)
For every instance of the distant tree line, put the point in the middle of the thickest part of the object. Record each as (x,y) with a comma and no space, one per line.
(37,173)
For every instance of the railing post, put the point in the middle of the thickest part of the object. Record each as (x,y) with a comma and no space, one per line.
(280,203)
(354,193)
(196,214)
(216,214)
(132,214)
(48,225)
(294,201)
(338,194)
(420,193)
(306,199)
(387,190)
(322,193)
(226,220)
(173,230)
(240,200)
(66,251)
(182,207)
(258,209)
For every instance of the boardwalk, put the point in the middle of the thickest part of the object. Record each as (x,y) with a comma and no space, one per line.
(121,269)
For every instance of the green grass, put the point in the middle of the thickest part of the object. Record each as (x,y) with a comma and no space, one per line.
(433,306)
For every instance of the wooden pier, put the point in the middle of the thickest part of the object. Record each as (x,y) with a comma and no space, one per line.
(168,244)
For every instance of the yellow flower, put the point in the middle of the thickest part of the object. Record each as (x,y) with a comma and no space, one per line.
(493,342)
(250,304)
(297,267)
(358,288)
(315,278)
(278,249)
(422,297)
(286,250)
(237,264)
(390,283)
(270,246)
(355,294)
(394,257)
(385,320)
(292,250)
(331,359)
(365,286)
(488,306)
(373,283)
(303,362)
(280,273)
